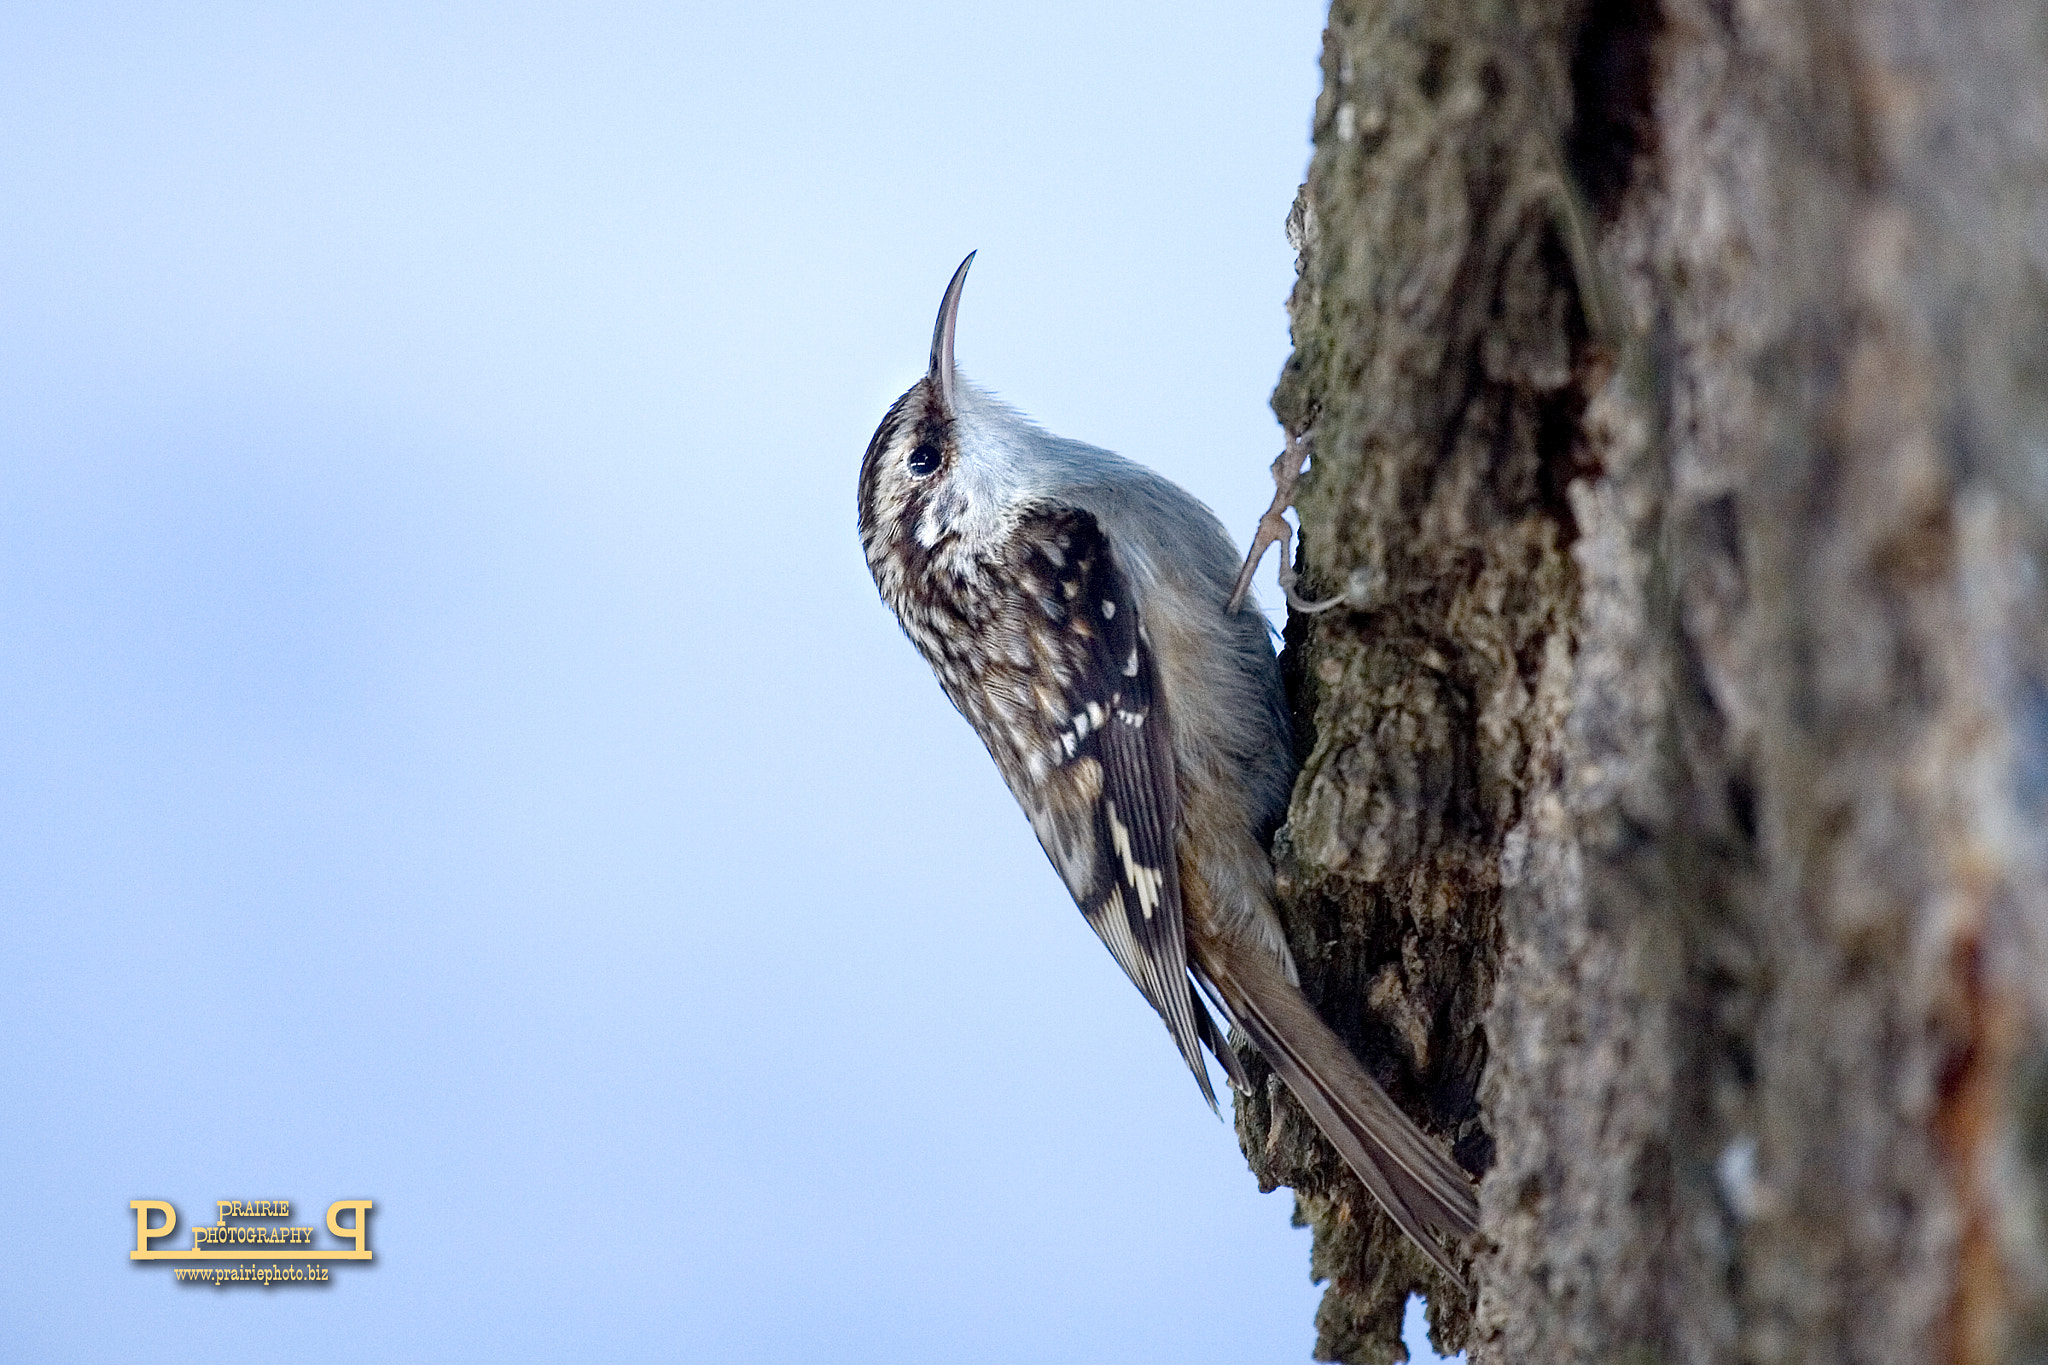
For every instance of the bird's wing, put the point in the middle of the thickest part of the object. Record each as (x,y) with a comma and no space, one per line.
(1106,803)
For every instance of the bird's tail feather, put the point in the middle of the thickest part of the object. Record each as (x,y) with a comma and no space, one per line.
(1419,1187)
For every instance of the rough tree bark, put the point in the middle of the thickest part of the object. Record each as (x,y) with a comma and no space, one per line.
(1672,835)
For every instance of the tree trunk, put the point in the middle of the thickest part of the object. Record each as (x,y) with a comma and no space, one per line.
(1672,834)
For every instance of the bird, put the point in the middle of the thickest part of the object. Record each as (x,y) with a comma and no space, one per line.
(1076,608)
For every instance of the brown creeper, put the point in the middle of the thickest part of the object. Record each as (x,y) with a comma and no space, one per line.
(1073,605)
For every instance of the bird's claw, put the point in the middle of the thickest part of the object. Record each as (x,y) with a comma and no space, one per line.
(1274,529)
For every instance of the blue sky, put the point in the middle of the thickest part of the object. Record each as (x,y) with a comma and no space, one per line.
(455,755)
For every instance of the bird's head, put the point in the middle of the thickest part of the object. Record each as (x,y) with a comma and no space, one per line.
(907,480)
(950,463)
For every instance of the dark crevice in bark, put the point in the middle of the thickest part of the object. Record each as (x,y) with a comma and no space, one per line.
(1614,126)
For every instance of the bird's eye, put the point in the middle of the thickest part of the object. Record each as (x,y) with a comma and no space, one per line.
(924,459)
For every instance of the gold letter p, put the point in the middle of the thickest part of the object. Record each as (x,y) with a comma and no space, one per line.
(360,1232)
(143,1231)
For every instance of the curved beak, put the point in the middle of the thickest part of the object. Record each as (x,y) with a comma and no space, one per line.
(941,372)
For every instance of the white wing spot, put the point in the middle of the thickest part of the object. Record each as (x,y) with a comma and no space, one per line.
(1146,881)
(1108,609)
(1131,664)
